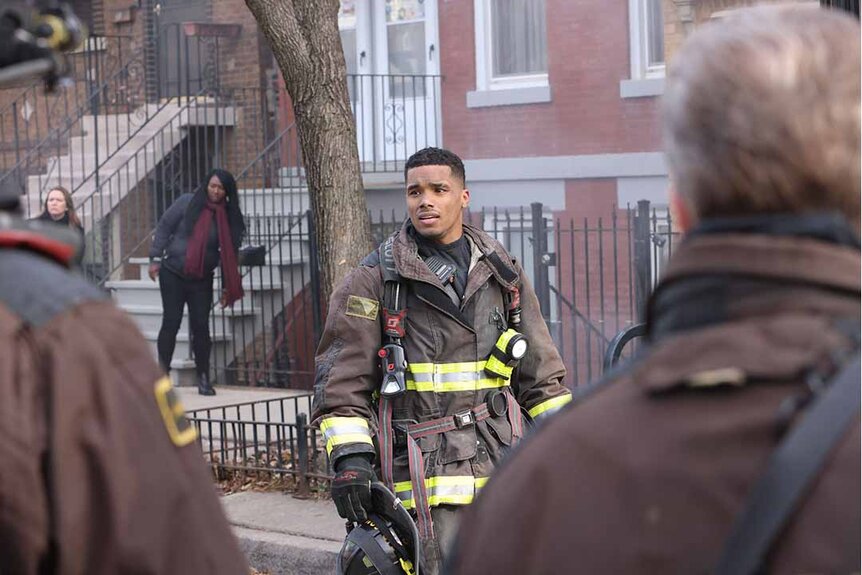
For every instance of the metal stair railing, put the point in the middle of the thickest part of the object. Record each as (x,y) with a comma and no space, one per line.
(51,147)
(31,117)
(279,219)
(74,171)
(113,94)
(261,354)
(96,208)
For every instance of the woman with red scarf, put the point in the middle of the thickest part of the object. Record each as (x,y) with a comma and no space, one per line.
(197,233)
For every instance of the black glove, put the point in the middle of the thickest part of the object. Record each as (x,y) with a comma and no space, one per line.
(351,487)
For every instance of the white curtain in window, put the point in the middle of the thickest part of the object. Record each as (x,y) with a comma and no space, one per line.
(655,33)
(518,32)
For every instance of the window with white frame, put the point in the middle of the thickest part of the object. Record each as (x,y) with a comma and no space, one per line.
(646,31)
(511,44)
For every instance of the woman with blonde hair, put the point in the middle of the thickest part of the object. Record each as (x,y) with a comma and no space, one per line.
(59,209)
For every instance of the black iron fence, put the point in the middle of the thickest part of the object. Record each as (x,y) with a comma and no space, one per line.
(269,436)
(591,276)
(593,281)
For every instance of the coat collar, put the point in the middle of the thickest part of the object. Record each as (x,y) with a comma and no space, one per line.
(764,308)
(410,265)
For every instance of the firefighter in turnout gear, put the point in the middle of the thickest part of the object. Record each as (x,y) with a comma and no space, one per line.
(434,348)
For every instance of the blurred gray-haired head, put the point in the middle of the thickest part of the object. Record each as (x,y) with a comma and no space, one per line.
(761,114)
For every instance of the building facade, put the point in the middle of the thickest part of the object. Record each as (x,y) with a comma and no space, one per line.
(553,104)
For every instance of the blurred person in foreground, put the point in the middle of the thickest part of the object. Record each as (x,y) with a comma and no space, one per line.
(101,473)
(651,469)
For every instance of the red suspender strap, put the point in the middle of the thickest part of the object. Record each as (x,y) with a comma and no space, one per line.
(420,494)
(384,441)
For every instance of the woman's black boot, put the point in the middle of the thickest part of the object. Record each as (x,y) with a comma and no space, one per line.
(204,385)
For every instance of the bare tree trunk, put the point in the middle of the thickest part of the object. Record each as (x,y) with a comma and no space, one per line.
(303,35)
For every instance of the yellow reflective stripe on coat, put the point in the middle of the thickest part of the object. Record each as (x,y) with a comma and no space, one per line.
(497,366)
(341,430)
(450,377)
(442,490)
(549,406)
(504,339)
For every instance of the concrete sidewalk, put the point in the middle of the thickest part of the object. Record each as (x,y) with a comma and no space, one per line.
(282,535)
(278,533)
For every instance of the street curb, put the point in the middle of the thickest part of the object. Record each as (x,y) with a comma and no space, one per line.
(285,554)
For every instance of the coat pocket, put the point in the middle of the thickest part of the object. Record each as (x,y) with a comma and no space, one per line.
(458,445)
(500,429)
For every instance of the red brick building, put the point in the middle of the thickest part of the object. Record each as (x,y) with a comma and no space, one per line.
(546,98)
(548,101)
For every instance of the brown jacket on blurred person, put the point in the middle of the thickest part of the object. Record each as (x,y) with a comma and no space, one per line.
(99,469)
(648,471)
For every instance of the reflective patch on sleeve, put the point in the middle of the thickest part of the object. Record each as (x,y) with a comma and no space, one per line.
(343,430)
(714,377)
(550,406)
(179,429)
(362,307)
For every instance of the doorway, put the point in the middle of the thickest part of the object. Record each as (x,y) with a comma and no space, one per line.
(392,56)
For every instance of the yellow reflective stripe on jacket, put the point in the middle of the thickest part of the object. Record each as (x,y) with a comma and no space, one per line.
(443,490)
(504,339)
(449,377)
(341,430)
(498,366)
(549,406)
(443,368)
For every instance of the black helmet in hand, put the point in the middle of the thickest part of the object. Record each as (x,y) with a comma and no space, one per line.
(387,542)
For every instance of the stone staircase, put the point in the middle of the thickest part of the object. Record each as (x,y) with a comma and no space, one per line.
(127,147)
(275,218)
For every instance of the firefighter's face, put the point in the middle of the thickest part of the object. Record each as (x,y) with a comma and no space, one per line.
(435,200)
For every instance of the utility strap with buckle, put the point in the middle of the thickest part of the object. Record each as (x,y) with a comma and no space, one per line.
(460,420)
(416,461)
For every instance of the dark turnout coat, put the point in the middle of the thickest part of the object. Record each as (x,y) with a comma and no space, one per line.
(100,472)
(446,345)
(646,473)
